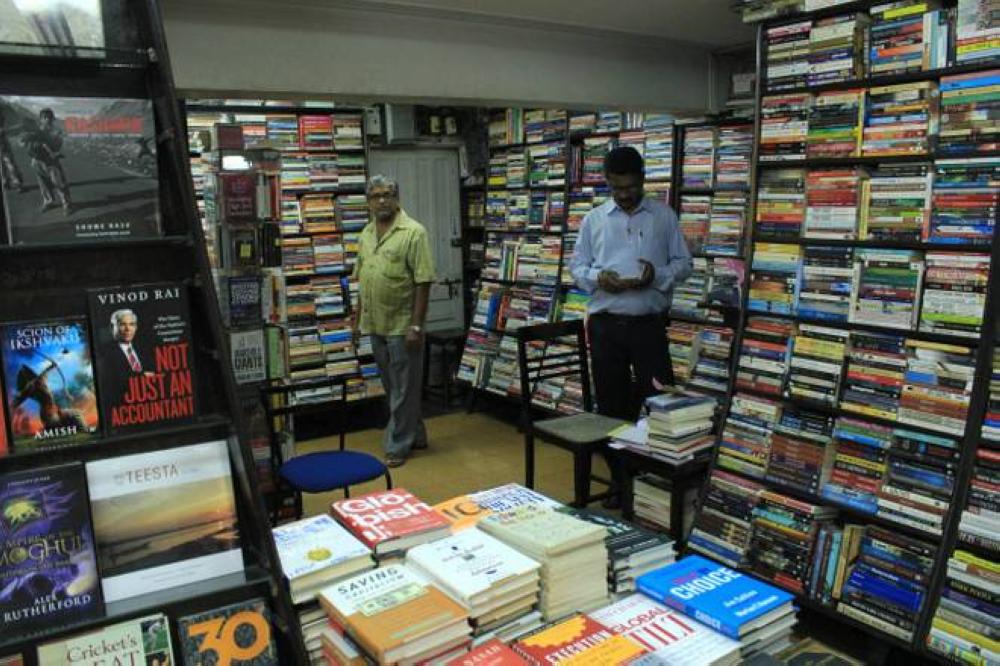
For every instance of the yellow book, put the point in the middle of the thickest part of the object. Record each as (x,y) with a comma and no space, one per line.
(962,632)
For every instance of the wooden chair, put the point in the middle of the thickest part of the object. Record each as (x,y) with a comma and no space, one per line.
(581,434)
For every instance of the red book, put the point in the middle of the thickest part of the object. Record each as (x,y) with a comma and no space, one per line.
(490,653)
(576,636)
(390,520)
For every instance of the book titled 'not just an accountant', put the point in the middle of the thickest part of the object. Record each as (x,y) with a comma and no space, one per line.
(725,600)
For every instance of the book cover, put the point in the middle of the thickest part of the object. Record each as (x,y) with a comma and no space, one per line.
(79,169)
(49,382)
(48,569)
(142,641)
(715,595)
(239,634)
(560,643)
(52,27)
(669,635)
(238,196)
(246,349)
(243,300)
(164,518)
(511,496)
(491,653)
(462,512)
(145,356)
(386,515)
(313,544)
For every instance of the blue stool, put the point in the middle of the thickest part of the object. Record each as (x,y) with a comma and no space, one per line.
(331,470)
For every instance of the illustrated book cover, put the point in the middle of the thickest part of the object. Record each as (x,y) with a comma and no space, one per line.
(79,169)
(145,357)
(49,381)
(143,641)
(164,518)
(239,634)
(48,567)
(64,28)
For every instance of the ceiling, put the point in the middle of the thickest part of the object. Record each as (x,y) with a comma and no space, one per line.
(706,22)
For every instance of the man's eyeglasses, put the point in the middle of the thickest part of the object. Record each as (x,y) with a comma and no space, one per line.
(374,196)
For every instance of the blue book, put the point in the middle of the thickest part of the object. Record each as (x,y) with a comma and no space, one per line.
(726,600)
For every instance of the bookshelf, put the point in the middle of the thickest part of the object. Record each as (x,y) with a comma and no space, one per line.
(809,433)
(52,280)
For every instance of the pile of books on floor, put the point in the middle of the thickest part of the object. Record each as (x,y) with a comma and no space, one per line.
(967,622)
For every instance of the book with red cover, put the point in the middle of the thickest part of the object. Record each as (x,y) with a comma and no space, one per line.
(388,521)
(490,653)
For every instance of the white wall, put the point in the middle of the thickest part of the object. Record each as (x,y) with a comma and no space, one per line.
(226,46)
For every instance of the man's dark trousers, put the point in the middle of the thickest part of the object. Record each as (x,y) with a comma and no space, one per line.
(626,353)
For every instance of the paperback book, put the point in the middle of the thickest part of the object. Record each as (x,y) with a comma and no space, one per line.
(236,634)
(142,641)
(79,169)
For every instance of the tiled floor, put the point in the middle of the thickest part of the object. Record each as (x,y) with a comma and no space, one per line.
(468,452)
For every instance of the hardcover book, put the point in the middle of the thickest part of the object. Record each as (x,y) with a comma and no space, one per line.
(236,634)
(145,356)
(79,169)
(247,354)
(242,294)
(568,642)
(390,520)
(164,518)
(48,569)
(725,600)
(66,28)
(490,653)
(49,382)
(142,641)
(317,550)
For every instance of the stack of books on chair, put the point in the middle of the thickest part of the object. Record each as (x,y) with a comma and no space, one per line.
(680,424)
(571,551)
(632,550)
(492,580)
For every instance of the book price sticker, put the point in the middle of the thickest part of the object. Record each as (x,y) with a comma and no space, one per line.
(392,598)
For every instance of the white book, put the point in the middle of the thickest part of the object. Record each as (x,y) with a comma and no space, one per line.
(318,550)
(469,564)
(542,531)
(669,635)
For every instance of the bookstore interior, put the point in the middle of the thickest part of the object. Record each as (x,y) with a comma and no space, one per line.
(488,332)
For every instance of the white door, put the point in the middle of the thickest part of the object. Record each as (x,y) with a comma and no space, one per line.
(429,193)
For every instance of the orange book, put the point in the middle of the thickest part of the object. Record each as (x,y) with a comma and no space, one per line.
(462,512)
(490,653)
(579,641)
(394,615)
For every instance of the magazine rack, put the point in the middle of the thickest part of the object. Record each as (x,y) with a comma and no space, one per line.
(51,280)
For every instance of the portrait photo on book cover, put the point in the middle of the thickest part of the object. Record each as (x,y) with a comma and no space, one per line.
(78,168)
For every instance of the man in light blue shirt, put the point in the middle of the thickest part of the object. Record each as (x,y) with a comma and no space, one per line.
(629,256)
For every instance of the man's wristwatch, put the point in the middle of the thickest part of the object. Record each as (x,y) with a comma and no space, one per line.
(416,329)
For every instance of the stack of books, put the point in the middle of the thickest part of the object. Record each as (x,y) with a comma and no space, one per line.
(727,218)
(787,64)
(572,554)
(800,454)
(763,361)
(774,277)
(548,165)
(955,293)
(903,40)
(283,131)
(837,49)
(746,437)
(350,170)
(977,29)
(315,552)
(682,338)
(352,211)
(670,636)
(967,121)
(698,168)
(835,124)
(784,127)
(347,133)
(316,132)
(899,204)
(825,291)
(966,623)
(754,11)
(784,533)
(886,287)
(937,386)
(899,119)
(966,198)
(541,125)
(680,425)
(493,581)
(632,550)
(591,163)
(816,363)
(980,525)
(781,203)
(991,422)
(834,202)
(390,521)
(722,528)
(758,615)
(919,480)
(886,585)
(659,149)
(733,163)
(711,371)
(876,363)
(859,464)
(506,127)
(393,615)
(652,501)
(582,122)
(694,220)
